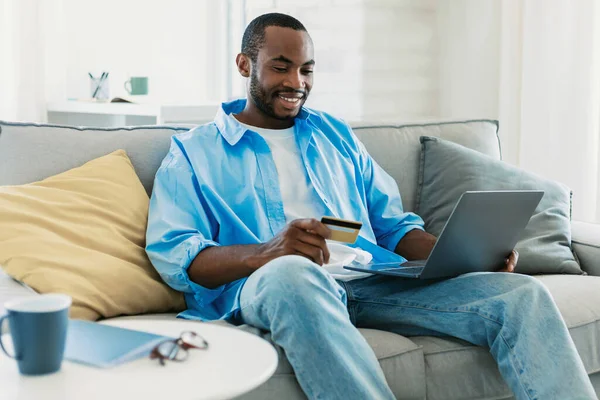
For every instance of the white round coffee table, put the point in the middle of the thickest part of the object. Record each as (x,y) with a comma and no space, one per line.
(235,363)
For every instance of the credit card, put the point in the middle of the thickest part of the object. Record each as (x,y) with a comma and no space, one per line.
(342,230)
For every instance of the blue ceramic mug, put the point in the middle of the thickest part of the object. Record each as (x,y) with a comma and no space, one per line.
(38,329)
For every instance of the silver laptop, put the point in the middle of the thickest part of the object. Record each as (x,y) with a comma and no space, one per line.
(482,230)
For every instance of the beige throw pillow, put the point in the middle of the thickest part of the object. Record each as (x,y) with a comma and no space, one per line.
(82,233)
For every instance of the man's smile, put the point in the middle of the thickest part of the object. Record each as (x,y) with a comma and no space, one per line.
(290,100)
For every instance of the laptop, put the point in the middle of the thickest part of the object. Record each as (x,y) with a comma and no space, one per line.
(482,230)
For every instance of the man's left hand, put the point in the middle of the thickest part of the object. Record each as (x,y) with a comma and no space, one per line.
(510,262)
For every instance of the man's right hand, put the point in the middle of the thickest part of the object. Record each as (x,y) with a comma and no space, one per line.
(303,237)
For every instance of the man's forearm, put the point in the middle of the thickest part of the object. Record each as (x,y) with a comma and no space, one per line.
(216,266)
(416,245)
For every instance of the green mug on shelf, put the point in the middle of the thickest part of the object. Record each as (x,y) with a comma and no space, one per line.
(137,85)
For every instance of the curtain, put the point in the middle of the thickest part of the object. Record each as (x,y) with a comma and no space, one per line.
(535,66)
(32,57)
(560,97)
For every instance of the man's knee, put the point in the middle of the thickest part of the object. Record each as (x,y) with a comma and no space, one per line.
(292,271)
(535,289)
(524,290)
(526,283)
(280,295)
(292,276)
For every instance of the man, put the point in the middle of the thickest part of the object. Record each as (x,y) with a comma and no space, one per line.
(234,225)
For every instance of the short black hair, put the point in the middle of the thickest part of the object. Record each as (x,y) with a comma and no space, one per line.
(254,35)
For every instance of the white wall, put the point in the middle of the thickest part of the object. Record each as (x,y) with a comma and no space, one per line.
(480,65)
(400,60)
(469,40)
(375,59)
(532,64)
(164,40)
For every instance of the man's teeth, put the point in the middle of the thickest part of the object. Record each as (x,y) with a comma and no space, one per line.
(290,99)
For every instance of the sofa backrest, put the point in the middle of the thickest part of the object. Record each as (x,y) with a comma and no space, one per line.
(397,149)
(32,152)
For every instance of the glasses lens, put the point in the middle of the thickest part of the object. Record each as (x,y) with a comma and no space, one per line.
(168,350)
(192,339)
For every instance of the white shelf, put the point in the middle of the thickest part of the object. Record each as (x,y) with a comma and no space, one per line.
(149,110)
(121,114)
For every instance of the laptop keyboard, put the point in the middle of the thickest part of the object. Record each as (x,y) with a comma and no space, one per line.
(408,270)
(415,263)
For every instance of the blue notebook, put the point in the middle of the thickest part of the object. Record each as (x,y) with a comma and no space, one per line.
(104,346)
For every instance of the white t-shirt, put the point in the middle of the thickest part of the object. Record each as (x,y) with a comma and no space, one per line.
(297,192)
(300,200)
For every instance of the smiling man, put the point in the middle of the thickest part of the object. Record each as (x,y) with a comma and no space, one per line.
(234,225)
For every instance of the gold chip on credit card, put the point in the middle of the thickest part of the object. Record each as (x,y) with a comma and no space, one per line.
(342,230)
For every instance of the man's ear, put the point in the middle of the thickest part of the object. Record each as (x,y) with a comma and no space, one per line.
(243,65)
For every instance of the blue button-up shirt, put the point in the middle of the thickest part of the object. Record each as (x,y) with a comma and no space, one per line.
(218,186)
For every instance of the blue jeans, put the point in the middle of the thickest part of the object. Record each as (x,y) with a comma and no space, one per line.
(313,318)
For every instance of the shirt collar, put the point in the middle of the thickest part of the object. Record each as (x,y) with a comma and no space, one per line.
(231,129)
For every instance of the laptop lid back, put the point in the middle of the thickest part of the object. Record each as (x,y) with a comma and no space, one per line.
(481,232)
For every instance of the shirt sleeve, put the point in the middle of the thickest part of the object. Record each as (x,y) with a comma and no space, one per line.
(389,221)
(180,225)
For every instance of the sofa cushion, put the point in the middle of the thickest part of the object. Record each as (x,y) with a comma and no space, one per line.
(578,299)
(448,170)
(397,150)
(400,359)
(82,233)
(457,369)
(32,152)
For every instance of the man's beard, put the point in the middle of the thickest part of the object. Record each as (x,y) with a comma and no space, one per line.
(259,97)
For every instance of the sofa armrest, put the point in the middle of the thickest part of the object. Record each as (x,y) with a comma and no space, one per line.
(585,239)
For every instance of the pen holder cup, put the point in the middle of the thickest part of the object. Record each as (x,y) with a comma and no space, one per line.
(99,88)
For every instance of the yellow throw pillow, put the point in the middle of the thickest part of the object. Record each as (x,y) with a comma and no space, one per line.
(83,233)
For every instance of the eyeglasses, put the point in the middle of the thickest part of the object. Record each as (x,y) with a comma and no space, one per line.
(177,349)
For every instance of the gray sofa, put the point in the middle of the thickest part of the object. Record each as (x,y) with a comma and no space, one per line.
(416,367)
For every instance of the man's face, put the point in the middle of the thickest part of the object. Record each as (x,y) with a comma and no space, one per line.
(281,78)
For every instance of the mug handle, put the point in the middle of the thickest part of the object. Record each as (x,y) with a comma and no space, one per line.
(125,86)
(2,318)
